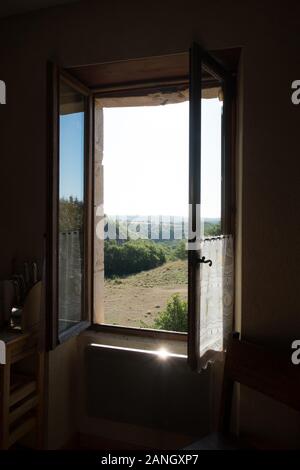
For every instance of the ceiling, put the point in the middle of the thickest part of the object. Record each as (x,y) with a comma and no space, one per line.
(14,7)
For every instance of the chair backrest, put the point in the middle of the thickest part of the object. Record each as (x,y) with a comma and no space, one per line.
(265,370)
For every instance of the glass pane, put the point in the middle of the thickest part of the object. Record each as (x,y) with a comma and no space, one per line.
(71,207)
(146,212)
(211,155)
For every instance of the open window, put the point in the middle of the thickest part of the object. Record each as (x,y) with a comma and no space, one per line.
(142,212)
(211,258)
(129,218)
(69,262)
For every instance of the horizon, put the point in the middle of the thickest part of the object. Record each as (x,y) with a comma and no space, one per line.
(165,216)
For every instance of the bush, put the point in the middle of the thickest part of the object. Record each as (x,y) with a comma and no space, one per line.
(212,230)
(180,251)
(174,317)
(131,257)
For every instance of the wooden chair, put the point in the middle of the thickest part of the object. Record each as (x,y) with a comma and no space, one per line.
(270,372)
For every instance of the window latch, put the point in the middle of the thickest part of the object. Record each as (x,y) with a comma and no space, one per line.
(203,260)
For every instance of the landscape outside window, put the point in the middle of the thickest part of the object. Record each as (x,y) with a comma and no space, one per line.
(146,210)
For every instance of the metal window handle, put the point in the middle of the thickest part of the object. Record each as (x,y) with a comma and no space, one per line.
(203,260)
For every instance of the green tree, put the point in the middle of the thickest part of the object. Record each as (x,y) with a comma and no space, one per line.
(174,317)
(70,214)
(180,251)
(131,257)
(212,230)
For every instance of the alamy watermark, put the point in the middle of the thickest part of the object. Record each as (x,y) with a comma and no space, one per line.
(295,96)
(2,92)
(296,354)
(153,227)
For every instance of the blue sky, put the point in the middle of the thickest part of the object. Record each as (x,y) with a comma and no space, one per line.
(146,159)
(71,155)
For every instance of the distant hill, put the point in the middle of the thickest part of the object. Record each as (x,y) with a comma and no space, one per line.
(166,228)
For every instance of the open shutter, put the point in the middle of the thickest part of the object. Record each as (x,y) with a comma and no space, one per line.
(207,77)
(69,229)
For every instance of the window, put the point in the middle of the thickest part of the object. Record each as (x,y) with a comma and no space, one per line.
(71,254)
(148,177)
(145,204)
(146,209)
(210,319)
(70,208)
(158,182)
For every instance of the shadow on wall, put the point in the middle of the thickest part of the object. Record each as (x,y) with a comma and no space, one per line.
(134,387)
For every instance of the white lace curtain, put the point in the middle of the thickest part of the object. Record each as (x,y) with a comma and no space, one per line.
(216,297)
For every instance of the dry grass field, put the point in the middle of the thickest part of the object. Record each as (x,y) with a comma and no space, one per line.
(136,300)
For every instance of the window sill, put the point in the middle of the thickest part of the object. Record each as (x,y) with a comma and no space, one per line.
(73,331)
(135,338)
(141,332)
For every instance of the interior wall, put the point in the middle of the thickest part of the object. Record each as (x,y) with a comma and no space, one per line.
(62,398)
(154,402)
(93,32)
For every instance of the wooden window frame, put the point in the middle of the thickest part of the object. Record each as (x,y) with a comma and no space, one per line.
(201,61)
(228,188)
(53,337)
